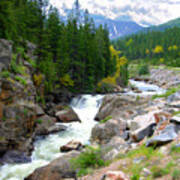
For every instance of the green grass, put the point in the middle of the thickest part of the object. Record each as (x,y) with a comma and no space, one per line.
(148,152)
(176,174)
(167,93)
(175,149)
(162,171)
(88,160)
(106,119)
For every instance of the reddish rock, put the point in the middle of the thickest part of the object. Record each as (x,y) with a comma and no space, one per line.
(72,145)
(115,175)
(67,116)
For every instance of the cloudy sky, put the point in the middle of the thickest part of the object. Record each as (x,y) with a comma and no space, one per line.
(141,11)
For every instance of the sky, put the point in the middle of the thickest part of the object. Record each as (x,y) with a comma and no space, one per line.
(144,12)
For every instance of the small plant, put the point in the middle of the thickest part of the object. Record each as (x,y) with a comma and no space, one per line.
(91,158)
(176,174)
(175,149)
(5,74)
(21,80)
(106,119)
(159,172)
(39,121)
(143,69)
(167,93)
(25,112)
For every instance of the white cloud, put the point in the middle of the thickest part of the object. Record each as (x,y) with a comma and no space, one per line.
(142,11)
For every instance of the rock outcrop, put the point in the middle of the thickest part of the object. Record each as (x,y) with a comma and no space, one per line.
(67,116)
(72,145)
(58,169)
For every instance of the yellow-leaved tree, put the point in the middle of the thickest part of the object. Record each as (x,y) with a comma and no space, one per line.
(120,62)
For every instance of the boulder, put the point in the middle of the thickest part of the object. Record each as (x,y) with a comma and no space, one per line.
(12,157)
(102,133)
(165,136)
(70,146)
(57,170)
(67,116)
(17,127)
(5,53)
(114,175)
(46,125)
(116,106)
(142,126)
(116,146)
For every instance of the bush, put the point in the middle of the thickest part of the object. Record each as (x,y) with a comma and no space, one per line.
(143,69)
(5,74)
(91,158)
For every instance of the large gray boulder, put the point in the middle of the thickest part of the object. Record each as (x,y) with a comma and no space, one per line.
(117,106)
(67,116)
(165,136)
(56,170)
(5,53)
(102,133)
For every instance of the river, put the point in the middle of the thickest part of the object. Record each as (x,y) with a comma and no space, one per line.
(48,149)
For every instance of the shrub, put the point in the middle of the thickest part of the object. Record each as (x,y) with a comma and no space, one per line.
(91,158)
(143,69)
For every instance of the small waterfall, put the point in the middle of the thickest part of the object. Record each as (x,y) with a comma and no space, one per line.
(86,106)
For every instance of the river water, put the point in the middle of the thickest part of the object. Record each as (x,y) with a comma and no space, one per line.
(46,150)
(86,106)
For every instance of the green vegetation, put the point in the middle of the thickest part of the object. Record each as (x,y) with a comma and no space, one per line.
(88,160)
(167,93)
(21,80)
(5,74)
(152,47)
(76,55)
(106,119)
(143,69)
(176,174)
(39,121)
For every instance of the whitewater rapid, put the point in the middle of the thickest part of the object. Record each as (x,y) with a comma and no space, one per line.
(48,149)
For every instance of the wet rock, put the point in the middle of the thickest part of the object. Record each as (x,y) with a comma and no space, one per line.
(102,133)
(114,175)
(72,145)
(5,52)
(67,116)
(167,135)
(56,128)
(12,157)
(57,170)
